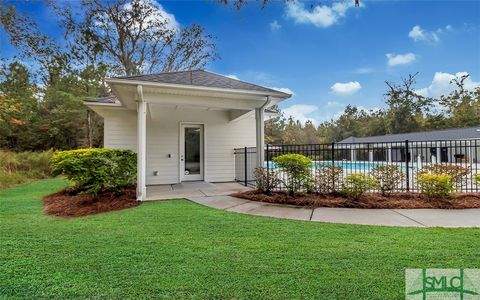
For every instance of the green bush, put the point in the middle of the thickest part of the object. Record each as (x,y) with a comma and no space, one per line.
(298,169)
(355,185)
(266,180)
(476,177)
(435,185)
(95,170)
(457,173)
(328,179)
(388,178)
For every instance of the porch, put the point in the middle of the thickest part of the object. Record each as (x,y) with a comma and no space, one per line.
(193,189)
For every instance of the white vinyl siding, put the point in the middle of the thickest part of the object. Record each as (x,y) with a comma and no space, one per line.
(221,137)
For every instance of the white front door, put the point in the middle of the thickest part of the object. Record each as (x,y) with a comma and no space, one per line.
(191,152)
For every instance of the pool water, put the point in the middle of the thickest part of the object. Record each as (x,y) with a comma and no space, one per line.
(348,165)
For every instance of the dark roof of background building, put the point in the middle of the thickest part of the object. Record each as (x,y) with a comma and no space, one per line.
(436,135)
(203,78)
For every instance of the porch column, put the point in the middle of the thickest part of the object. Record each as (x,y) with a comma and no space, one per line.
(260,138)
(389,154)
(141,145)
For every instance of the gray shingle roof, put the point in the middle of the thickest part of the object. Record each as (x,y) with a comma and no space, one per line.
(437,135)
(203,78)
(108,99)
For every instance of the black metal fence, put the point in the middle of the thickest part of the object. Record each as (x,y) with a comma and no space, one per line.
(409,156)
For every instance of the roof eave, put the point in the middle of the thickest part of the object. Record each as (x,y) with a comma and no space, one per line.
(278,95)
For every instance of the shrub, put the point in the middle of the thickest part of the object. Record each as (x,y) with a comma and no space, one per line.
(10,179)
(435,185)
(328,179)
(355,185)
(95,170)
(265,179)
(457,173)
(298,171)
(476,177)
(388,178)
(36,164)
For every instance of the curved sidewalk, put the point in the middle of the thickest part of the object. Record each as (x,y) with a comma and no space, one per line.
(386,217)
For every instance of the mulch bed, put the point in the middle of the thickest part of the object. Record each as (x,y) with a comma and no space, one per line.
(368,200)
(69,204)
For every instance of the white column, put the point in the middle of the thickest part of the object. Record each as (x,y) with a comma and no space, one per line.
(469,152)
(439,154)
(370,155)
(260,138)
(352,154)
(141,145)
(389,154)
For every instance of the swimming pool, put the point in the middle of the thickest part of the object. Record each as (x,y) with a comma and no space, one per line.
(347,165)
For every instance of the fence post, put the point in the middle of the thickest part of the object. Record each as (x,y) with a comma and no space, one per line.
(406,165)
(333,165)
(246,166)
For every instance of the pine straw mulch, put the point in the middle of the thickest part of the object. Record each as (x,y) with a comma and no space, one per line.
(67,203)
(368,200)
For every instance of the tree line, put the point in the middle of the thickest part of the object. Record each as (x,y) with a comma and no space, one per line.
(405,111)
(43,86)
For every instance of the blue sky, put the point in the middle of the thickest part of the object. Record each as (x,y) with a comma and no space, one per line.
(330,53)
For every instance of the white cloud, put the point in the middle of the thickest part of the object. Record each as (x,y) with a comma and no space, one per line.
(275,26)
(363,71)
(334,104)
(283,89)
(400,59)
(441,84)
(301,112)
(419,34)
(347,88)
(233,76)
(320,16)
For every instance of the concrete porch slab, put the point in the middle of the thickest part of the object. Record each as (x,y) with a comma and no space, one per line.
(192,189)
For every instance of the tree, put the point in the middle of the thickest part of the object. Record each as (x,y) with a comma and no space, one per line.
(405,106)
(133,36)
(462,105)
(18,108)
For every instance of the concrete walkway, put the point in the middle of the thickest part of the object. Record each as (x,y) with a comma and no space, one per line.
(386,217)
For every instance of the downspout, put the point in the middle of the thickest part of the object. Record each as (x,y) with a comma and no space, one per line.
(260,139)
(267,102)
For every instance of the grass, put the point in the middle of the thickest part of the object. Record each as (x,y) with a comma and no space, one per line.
(178,249)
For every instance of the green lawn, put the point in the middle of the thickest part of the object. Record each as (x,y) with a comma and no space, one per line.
(178,249)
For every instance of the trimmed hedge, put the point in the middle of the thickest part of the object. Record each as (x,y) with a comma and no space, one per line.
(94,170)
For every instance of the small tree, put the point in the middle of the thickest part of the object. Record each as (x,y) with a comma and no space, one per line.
(328,179)
(388,178)
(266,180)
(298,169)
